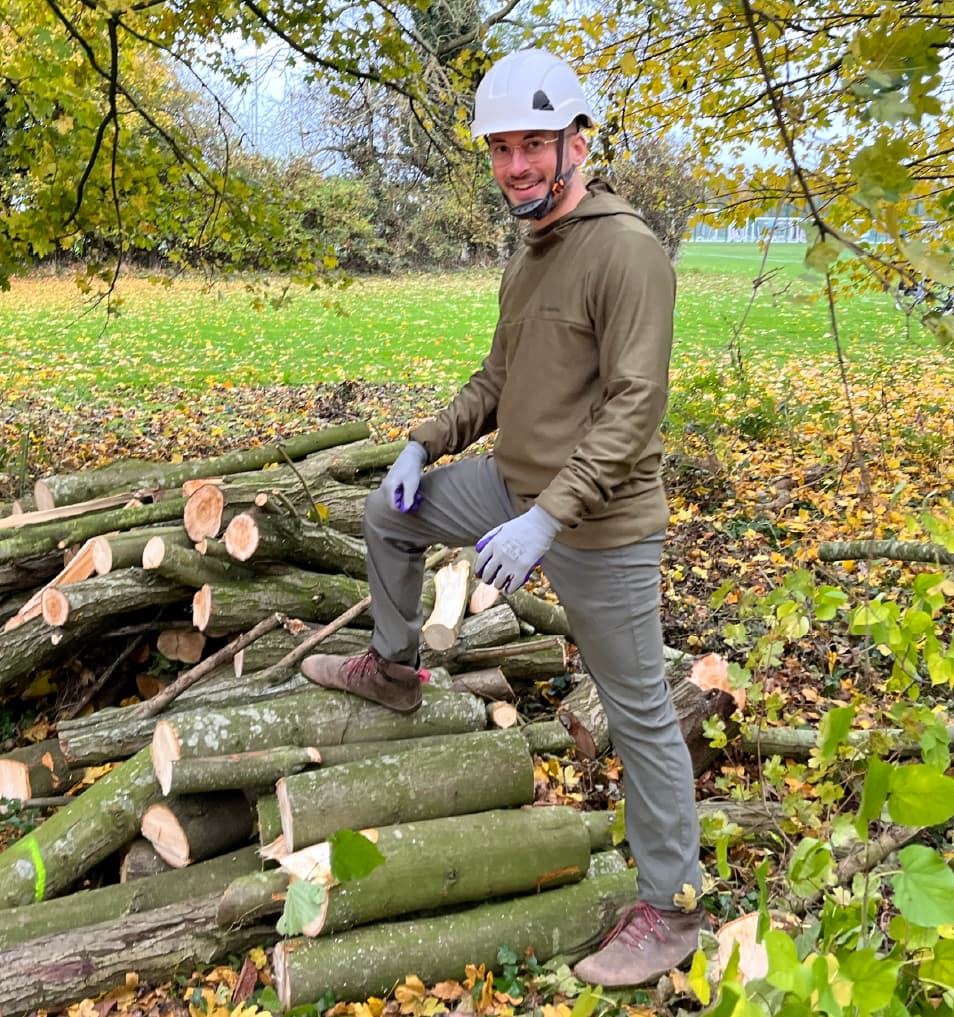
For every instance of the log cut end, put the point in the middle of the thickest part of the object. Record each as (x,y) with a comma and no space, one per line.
(43,496)
(285,813)
(164,751)
(280,973)
(185,646)
(203,512)
(102,556)
(164,831)
(202,607)
(153,553)
(14,780)
(242,537)
(56,608)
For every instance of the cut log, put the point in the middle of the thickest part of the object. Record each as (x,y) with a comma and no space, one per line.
(28,572)
(50,515)
(185,645)
(565,921)
(68,488)
(451,586)
(236,770)
(798,743)
(94,604)
(437,862)
(488,683)
(49,860)
(87,961)
(406,786)
(34,540)
(122,550)
(202,516)
(36,771)
(502,715)
(80,567)
(547,737)
(693,707)
(141,860)
(108,903)
(313,717)
(311,596)
(529,659)
(282,537)
(893,550)
(192,828)
(494,627)
(363,460)
(543,616)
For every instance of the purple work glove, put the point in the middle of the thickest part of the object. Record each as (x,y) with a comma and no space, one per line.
(508,553)
(404,478)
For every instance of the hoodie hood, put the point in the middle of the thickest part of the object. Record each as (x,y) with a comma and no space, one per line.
(599,201)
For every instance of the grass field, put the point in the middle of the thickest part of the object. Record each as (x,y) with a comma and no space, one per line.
(427,328)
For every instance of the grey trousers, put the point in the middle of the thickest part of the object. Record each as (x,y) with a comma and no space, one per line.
(611,598)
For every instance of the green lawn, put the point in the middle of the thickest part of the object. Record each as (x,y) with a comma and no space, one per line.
(430,329)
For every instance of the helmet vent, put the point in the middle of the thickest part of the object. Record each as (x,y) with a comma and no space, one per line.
(541,100)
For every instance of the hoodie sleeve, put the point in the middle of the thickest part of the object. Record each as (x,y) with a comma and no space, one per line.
(631,293)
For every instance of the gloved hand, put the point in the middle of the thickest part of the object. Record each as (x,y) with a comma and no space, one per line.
(508,553)
(403,479)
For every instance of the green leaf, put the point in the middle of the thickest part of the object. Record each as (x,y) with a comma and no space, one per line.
(586,1003)
(924,888)
(874,793)
(939,968)
(786,971)
(834,729)
(698,981)
(874,979)
(810,868)
(303,904)
(920,796)
(823,254)
(353,856)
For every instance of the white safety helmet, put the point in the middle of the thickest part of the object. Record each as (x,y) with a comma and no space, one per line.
(528,90)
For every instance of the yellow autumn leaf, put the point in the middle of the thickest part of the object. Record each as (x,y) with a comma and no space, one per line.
(410,993)
(687,900)
(260,959)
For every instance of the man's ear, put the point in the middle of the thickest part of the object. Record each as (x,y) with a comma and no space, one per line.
(579,148)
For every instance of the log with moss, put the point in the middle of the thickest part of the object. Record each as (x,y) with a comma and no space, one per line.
(36,771)
(438,862)
(470,772)
(128,474)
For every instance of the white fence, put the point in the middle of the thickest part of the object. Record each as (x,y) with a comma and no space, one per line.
(782,229)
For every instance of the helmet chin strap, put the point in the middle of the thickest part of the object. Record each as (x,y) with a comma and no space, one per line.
(540,207)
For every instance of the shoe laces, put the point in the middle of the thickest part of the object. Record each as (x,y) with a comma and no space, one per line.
(637,926)
(362,666)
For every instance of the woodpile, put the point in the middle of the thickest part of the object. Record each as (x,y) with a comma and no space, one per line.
(226,785)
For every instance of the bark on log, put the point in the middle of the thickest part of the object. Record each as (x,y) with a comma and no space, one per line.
(438,862)
(692,706)
(451,586)
(36,771)
(51,515)
(29,571)
(547,736)
(193,828)
(798,743)
(67,488)
(34,540)
(141,860)
(543,616)
(370,961)
(282,537)
(156,944)
(894,550)
(313,717)
(237,769)
(488,683)
(123,550)
(98,822)
(187,567)
(93,605)
(359,462)
(406,786)
(311,596)
(108,903)
(529,659)
(79,567)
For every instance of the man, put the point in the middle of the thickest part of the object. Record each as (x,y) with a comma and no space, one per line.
(576,385)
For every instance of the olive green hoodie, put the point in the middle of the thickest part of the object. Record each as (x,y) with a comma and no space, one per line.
(576,379)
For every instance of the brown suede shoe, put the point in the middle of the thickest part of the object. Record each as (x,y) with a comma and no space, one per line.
(645,944)
(370,676)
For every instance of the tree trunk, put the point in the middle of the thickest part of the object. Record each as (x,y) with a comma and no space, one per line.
(34,540)
(36,771)
(192,828)
(67,488)
(98,822)
(237,770)
(30,571)
(488,683)
(439,862)
(470,773)
(141,860)
(189,568)
(797,743)
(310,596)
(371,961)
(312,717)
(177,938)
(284,537)
(358,462)
(92,606)
(543,616)
(528,659)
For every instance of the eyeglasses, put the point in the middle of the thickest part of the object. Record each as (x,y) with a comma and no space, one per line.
(533,149)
